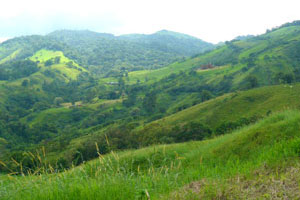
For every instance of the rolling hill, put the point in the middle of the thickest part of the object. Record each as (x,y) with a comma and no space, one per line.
(133,52)
(238,65)
(105,52)
(262,56)
(77,95)
(224,167)
(169,41)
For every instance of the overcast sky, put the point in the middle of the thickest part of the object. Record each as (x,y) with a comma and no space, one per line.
(210,20)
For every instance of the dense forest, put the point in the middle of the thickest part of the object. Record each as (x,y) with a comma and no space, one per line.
(106,54)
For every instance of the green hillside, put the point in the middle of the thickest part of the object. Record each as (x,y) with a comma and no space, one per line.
(58,67)
(158,123)
(234,106)
(104,52)
(263,56)
(217,116)
(214,117)
(170,41)
(208,169)
(36,100)
(66,66)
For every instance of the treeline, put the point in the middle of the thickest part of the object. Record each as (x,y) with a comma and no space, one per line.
(17,69)
(102,53)
(124,137)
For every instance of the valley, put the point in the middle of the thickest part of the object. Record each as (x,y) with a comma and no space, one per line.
(86,115)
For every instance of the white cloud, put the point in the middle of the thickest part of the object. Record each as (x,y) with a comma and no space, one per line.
(213,20)
(3,39)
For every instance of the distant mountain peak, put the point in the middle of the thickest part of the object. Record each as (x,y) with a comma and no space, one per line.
(165,31)
(174,34)
(79,32)
(244,37)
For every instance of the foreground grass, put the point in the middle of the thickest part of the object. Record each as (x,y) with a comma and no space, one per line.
(165,170)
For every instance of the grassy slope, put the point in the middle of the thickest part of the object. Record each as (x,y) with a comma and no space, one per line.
(154,75)
(61,70)
(216,111)
(162,171)
(275,44)
(213,114)
(64,113)
(233,106)
(44,55)
(226,108)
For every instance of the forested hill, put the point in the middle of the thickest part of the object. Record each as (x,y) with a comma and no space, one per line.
(102,52)
(170,41)
(133,52)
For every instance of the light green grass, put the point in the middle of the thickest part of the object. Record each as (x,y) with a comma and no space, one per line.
(52,114)
(161,170)
(44,55)
(151,76)
(61,70)
(233,106)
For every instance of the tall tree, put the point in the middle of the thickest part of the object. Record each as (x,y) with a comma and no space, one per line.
(149,102)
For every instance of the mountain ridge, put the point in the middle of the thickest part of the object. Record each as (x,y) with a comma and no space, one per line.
(104,52)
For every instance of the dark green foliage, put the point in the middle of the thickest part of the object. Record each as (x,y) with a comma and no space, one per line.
(251,81)
(24,99)
(110,95)
(17,69)
(58,100)
(191,131)
(149,102)
(57,60)
(87,152)
(49,73)
(25,83)
(131,100)
(102,53)
(133,52)
(39,106)
(121,84)
(18,129)
(225,84)
(168,41)
(229,126)
(206,95)
(49,62)
(281,77)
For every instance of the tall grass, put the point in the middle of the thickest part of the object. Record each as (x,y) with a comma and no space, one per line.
(155,172)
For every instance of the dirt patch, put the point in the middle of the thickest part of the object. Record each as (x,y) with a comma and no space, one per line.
(261,184)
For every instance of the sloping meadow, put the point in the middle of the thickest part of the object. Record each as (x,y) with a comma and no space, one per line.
(164,171)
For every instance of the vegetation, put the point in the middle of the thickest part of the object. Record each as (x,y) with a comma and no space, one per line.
(74,96)
(106,53)
(269,146)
